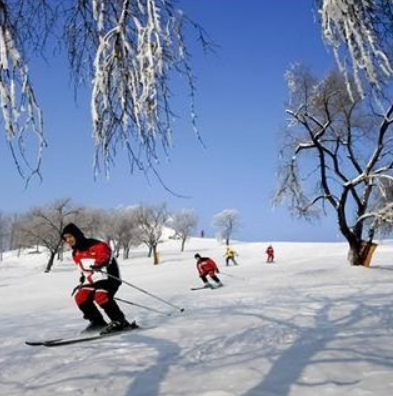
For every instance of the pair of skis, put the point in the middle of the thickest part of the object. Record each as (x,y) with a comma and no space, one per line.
(211,287)
(77,339)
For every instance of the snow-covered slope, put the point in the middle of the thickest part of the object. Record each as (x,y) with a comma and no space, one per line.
(308,324)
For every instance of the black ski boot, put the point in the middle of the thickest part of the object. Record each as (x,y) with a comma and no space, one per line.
(95,326)
(117,326)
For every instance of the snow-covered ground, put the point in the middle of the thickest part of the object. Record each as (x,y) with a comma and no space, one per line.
(307,325)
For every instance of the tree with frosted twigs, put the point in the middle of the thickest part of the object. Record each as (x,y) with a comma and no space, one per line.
(125,229)
(227,222)
(4,233)
(361,35)
(44,226)
(184,223)
(337,153)
(128,50)
(13,219)
(18,241)
(150,222)
(95,222)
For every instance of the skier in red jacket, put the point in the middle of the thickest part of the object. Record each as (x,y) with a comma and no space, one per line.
(99,281)
(207,267)
(270,254)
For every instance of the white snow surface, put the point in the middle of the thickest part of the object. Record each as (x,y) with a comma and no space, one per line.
(309,324)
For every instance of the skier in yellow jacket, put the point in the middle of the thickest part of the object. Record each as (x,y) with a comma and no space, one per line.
(230,255)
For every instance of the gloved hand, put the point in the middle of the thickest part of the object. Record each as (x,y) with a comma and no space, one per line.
(76,288)
(81,282)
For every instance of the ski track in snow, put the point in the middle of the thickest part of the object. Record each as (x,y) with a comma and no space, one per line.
(306,324)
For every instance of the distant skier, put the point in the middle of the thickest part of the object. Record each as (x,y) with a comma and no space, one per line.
(94,259)
(270,254)
(207,267)
(230,254)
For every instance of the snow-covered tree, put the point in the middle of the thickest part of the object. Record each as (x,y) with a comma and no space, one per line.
(4,233)
(151,221)
(227,222)
(184,224)
(95,222)
(18,240)
(337,152)
(125,229)
(361,35)
(128,50)
(44,225)
(13,218)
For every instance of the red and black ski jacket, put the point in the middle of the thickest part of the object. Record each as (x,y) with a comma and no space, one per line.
(206,265)
(93,257)
(96,255)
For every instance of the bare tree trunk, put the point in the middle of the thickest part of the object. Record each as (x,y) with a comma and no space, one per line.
(126,252)
(12,238)
(156,255)
(360,253)
(60,253)
(183,244)
(357,254)
(50,262)
(354,256)
(150,251)
(117,250)
(227,241)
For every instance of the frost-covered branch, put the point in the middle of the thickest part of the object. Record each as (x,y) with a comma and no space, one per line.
(20,111)
(138,46)
(128,50)
(291,187)
(361,35)
(381,213)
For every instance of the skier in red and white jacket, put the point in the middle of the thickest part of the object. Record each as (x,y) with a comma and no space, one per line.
(99,281)
(207,267)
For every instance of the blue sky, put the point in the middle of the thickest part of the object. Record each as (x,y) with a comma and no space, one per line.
(240,99)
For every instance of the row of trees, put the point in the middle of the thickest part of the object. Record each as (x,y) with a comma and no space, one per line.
(124,228)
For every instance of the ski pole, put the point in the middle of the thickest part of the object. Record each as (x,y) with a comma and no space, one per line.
(232,276)
(142,290)
(142,306)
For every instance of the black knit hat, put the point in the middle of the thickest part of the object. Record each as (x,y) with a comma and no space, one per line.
(197,256)
(74,231)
